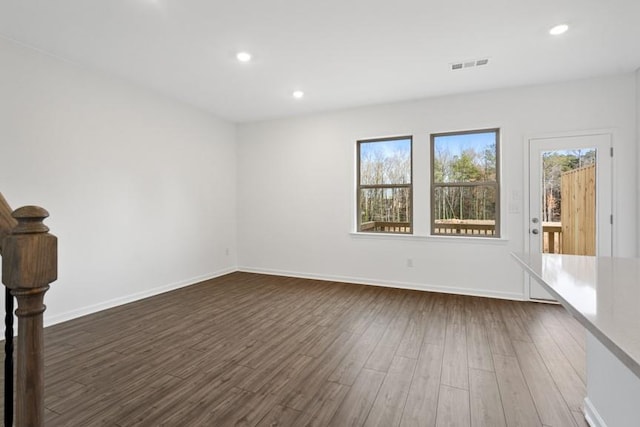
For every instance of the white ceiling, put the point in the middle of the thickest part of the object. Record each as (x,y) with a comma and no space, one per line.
(342,53)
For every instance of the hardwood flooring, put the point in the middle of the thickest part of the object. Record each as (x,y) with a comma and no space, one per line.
(255,350)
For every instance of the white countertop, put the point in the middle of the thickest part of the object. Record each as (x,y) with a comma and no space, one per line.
(602,293)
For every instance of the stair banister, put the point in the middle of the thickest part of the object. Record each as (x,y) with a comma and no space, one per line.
(7,222)
(29,265)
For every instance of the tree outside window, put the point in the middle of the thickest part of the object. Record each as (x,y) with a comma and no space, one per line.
(465,190)
(384,185)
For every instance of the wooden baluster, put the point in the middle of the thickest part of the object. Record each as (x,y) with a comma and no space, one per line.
(7,223)
(8,357)
(29,265)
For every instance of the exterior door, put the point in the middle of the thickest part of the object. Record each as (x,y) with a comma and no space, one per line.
(569,198)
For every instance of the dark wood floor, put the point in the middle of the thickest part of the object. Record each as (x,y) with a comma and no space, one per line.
(248,349)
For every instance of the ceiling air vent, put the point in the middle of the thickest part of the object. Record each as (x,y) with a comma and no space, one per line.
(469,64)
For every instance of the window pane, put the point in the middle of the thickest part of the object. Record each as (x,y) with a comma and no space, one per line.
(465,157)
(385,209)
(555,164)
(465,210)
(385,162)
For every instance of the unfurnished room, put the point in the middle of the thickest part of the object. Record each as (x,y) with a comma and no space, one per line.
(320,213)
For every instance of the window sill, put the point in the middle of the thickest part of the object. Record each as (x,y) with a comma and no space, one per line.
(429,238)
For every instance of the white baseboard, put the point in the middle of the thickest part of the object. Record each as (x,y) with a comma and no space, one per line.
(69,315)
(389,283)
(591,414)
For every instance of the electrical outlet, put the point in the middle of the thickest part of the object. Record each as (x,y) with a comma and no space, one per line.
(226,251)
(409,262)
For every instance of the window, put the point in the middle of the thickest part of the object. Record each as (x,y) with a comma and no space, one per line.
(465,187)
(384,185)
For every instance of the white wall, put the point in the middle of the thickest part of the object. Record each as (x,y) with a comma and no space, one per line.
(141,189)
(638,148)
(296,185)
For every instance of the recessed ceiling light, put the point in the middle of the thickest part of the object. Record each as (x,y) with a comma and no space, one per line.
(243,56)
(298,94)
(559,29)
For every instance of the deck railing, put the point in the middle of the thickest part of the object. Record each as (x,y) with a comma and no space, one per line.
(464,229)
(441,228)
(386,227)
(551,237)
(29,265)
(552,231)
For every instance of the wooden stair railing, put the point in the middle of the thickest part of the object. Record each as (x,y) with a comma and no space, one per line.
(29,265)
(7,223)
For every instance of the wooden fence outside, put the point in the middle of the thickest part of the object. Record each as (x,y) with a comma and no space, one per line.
(578,211)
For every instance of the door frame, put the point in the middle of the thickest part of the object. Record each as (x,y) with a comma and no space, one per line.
(527,187)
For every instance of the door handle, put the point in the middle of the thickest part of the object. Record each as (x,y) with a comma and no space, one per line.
(535,231)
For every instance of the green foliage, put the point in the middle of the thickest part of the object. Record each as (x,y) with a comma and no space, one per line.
(469,166)
(464,167)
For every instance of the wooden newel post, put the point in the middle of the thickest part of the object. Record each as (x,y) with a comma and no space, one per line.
(29,264)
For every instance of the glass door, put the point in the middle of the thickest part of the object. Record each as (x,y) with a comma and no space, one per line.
(569,198)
